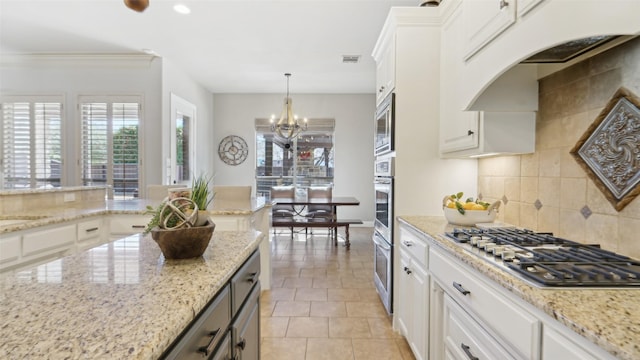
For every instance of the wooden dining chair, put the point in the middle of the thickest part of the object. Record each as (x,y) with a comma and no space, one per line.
(282,211)
(317,212)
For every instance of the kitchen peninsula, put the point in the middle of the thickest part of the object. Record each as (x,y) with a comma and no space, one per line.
(118,300)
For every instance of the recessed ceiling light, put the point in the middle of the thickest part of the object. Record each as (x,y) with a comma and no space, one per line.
(181,9)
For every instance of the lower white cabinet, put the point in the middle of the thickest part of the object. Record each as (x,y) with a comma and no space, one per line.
(124,225)
(412,309)
(465,339)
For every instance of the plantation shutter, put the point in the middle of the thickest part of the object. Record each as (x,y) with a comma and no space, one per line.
(110,146)
(31,144)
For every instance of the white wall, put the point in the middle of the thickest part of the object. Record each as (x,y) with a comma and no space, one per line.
(235,114)
(176,81)
(72,76)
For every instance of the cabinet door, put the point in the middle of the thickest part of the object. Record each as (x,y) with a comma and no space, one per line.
(420,312)
(484,20)
(557,346)
(9,250)
(246,329)
(405,298)
(458,128)
(385,71)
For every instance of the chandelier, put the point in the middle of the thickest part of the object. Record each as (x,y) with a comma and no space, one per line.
(288,126)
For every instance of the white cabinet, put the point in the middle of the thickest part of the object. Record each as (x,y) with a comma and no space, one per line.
(486,304)
(562,343)
(91,233)
(412,308)
(49,239)
(524,6)
(9,250)
(123,225)
(465,339)
(385,57)
(478,133)
(484,20)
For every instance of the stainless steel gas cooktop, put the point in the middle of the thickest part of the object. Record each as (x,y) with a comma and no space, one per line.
(547,260)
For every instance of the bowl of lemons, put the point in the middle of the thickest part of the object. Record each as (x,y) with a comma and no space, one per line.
(469,212)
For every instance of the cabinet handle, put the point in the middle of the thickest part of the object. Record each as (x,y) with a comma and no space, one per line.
(467,350)
(206,350)
(461,289)
(242,344)
(92,229)
(138,226)
(407,270)
(470,132)
(503,4)
(407,243)
(381,89)
(252,279)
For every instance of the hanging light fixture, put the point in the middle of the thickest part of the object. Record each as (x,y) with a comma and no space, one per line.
(288,126)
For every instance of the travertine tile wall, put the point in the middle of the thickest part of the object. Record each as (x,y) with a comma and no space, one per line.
(569,101)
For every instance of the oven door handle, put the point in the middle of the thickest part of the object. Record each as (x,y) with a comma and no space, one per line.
(380,242)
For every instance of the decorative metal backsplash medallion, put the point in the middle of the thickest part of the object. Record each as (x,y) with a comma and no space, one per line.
(609,151)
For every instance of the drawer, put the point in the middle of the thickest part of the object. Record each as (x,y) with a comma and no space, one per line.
(243,281)
(90,229)
(465,338)
(414,245)
(49,239)
(9,249)
(522,330)
(133,224)
(206,332)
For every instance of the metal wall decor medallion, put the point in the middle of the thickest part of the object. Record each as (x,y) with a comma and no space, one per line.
(609,151)
(233,150)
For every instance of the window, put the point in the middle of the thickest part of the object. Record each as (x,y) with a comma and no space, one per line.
(110,145)
(31,142)
(306,160)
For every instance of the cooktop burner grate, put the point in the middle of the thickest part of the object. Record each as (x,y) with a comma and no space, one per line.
(549,260)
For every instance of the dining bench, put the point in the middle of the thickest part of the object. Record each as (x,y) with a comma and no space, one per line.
(292,222)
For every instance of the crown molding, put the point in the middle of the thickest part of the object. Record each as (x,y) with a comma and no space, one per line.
(74,60)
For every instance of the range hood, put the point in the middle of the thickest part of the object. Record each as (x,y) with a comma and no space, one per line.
(569,50)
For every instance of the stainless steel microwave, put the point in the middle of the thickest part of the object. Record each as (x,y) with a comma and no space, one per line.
(385,123)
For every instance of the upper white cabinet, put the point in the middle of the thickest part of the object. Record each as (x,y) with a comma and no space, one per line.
(484,20)
(478,133)
(385,57)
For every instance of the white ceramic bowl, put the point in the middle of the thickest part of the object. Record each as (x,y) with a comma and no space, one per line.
(470,217)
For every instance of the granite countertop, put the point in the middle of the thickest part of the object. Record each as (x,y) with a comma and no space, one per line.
(55,215)
(120,300)
(607,317)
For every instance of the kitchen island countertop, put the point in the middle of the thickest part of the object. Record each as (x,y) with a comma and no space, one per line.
(120,300)
(606,317)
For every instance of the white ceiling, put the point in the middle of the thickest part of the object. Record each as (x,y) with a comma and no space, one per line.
(228,46)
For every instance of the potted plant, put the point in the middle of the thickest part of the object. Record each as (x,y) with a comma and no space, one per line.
(180,225)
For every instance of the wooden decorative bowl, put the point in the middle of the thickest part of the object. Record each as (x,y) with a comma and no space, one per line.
(184,243)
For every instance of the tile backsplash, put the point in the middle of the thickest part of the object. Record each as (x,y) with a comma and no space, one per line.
(548,190)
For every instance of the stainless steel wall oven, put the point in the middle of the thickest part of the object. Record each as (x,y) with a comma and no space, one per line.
(383,229)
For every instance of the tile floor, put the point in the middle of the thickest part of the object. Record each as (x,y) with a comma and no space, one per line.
(323,304)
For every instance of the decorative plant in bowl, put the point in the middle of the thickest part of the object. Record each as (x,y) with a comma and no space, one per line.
(178,225)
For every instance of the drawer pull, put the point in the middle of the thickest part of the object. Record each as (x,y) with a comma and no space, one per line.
(467,350)
(503,4)
(242,344)
(407,243)
(252,279)
(206,350)
(407,270)
(461,289)
(138,226)
(92,229)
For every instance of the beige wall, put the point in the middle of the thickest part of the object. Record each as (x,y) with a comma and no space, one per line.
(569,102)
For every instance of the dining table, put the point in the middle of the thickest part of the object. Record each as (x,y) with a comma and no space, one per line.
(299,206)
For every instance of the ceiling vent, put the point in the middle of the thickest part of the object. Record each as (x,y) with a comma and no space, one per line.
(350,59)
